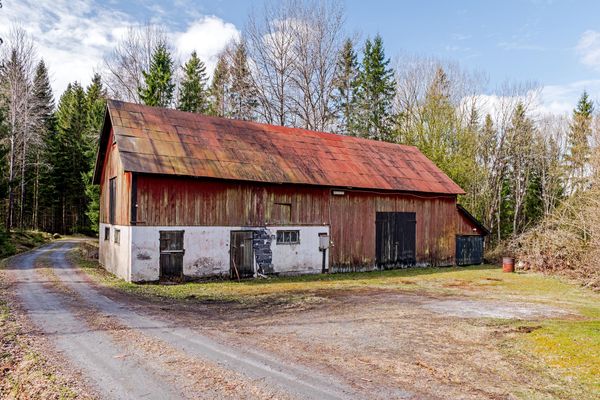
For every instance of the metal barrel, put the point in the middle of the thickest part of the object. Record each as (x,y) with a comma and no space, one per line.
(508,264)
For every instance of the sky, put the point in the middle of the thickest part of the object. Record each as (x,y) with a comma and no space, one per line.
(553,43)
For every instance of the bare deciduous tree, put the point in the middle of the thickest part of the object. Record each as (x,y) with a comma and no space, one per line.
(16,87)
(293,48)
(123,67)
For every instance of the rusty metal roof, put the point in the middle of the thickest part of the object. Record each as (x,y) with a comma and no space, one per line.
(164,141)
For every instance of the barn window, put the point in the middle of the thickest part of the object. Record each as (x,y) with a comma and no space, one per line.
(283,212)
(107,233)
(117,236)
(112,193)
(288,237)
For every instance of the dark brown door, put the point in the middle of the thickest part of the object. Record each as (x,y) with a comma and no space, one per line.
(395,238)
(171,255)
(241,254)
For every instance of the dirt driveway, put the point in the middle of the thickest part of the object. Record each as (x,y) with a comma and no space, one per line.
(374,344)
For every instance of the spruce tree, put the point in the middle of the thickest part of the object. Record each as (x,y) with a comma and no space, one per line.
(579,152)
(376,91)
(193,95)
(66,151)
(44,112)
(219,88)
(242,94)
(158,80)
(346,83)
(95,98)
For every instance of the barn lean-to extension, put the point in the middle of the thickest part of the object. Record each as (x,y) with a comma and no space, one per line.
(187,195)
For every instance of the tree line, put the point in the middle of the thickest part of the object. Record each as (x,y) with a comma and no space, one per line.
(293,65)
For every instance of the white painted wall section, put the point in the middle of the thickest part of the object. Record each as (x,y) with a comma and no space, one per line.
(207,251)
(116,257)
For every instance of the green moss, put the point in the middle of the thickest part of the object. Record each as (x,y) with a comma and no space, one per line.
(572,347)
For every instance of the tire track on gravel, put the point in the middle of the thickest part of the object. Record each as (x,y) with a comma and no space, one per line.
(91,351)
(296,380)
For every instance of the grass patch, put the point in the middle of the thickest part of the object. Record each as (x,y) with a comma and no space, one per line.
(570,347)
(18,241)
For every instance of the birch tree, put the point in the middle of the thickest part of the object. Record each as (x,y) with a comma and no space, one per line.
(16,84)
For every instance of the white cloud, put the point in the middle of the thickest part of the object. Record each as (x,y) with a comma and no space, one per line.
(208,35)
(73,36)
(557,100)
(588,48)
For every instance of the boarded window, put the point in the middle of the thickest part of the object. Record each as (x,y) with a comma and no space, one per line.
(288,237)
(107,233)
(282,213)
(112,193)
(117,236)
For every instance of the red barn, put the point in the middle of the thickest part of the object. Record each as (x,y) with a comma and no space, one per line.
(188,195)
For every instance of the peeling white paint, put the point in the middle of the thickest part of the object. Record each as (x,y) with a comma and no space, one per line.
(137,257)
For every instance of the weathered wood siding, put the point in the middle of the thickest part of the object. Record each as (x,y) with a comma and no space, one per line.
(176,201)
(173,201)
(464,226)
(114,169)
(353,226)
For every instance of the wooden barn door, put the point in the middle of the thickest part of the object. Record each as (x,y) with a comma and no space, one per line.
(395,238)
(171,255)
(241,254)
(469,250)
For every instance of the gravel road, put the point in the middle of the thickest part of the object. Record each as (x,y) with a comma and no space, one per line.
(125,352)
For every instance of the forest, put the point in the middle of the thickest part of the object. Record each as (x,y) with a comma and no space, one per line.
(529,177)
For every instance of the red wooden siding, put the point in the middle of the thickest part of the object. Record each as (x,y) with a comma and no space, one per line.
(353,226)
(188,202)
(465,226)
(114,169)
(178,201)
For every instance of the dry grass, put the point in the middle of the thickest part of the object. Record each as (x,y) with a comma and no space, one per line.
(562,349)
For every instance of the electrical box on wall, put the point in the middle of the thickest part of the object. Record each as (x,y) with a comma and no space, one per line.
(323,241)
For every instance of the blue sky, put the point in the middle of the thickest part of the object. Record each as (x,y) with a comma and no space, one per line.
(555,43)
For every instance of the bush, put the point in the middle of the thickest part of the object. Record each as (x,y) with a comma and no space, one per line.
(567,242)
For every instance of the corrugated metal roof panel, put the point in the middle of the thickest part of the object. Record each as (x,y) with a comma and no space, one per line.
(164,141)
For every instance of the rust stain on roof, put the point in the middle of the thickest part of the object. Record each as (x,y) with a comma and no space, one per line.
(164,141)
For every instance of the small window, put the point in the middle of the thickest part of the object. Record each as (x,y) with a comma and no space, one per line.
(117,236)
(107,233)
(288,237)
(112,193)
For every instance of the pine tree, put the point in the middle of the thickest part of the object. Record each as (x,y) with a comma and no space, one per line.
(158,80)
(242,94)
(376,90)
(193,95)
(577,158)
(346,83)
(219,88)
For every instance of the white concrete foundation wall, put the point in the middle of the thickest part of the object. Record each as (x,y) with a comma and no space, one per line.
(207,251)
(116,257)
(302,258)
